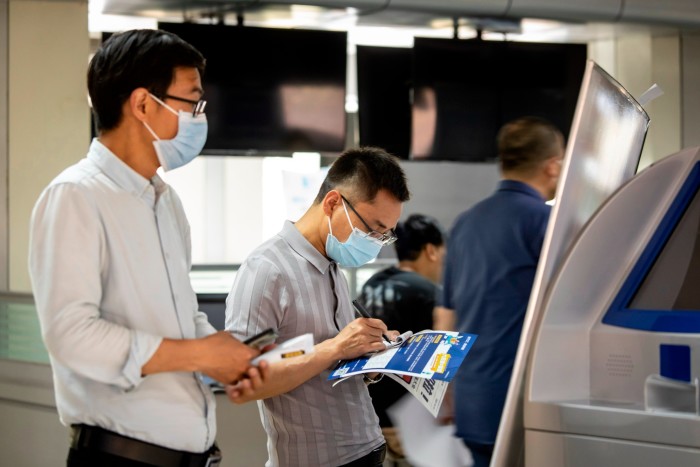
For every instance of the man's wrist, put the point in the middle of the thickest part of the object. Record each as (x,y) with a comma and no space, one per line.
(369,380)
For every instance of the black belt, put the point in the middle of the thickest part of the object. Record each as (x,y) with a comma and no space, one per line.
(375,457)
(85,437)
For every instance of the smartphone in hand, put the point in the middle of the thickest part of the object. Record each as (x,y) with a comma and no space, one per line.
(262,339)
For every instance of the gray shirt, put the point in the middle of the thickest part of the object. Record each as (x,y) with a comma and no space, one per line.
(109,261)
(286,284)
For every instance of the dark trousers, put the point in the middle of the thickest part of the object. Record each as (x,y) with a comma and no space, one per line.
(373,459)
(481,453)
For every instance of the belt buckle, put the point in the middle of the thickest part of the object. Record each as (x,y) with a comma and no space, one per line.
(214,460)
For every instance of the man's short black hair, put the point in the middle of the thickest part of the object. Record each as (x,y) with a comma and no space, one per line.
(525,143)
(140,58)
(416,232)
(362,172)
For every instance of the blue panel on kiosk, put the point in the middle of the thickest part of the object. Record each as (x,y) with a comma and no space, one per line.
(622,311)
(674,362)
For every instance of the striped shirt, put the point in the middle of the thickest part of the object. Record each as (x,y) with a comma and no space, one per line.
(286,284)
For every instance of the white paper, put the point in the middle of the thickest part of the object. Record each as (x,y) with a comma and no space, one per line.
(425,442)
(300,345)
(429,392)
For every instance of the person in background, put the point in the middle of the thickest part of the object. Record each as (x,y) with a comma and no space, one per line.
(292,283)
(109,262)
(494,250)
(405,297)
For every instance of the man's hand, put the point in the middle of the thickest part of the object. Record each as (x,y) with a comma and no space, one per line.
(219,356)
(248,387)
(224,358)
(358,338)
(361,336)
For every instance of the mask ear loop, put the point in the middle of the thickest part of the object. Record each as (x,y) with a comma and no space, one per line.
(163,104)
(151,131)
(148,127)
(346,214)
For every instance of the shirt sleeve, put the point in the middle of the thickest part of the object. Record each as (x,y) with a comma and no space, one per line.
(66,258)
(257,299)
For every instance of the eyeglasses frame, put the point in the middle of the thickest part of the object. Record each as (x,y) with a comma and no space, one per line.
(384,238)
(198,106)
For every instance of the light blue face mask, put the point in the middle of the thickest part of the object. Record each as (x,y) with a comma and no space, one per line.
(187,144)
(357,250)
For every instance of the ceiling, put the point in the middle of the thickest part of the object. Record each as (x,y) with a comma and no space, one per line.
(372,25)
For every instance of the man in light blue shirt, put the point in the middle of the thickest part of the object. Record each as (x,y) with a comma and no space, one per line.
(109,262)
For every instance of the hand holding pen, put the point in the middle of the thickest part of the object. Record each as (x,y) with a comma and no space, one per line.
(362,311)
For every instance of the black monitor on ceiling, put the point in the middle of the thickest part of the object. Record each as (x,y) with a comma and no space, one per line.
(271,90)
(384,98)
(464,91)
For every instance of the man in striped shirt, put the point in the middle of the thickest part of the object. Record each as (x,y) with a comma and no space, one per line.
(292,283)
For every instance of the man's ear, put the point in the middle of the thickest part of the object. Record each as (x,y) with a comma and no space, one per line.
(138,103)
(553,167)
(430,251)
(331,201)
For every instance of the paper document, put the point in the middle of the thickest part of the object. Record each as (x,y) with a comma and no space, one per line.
(426,354)
(425,442)
(429,392)
(300,345)
(423,363)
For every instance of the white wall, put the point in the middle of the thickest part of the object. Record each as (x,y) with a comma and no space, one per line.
(4,47)
(49,126)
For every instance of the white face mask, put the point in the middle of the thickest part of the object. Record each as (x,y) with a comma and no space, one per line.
(187,144)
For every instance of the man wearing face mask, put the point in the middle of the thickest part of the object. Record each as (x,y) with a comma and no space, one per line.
(109,262)
(293,283)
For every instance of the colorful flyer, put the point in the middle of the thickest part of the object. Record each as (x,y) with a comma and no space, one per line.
(427,354)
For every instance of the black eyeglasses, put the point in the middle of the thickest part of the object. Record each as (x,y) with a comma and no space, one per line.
(385,238)
(197,106)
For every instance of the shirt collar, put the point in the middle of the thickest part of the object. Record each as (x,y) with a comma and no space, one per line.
(123,175)
(520,187)
(301,245)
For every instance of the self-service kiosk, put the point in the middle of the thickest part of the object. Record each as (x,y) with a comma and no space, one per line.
(602,154)
(614,373)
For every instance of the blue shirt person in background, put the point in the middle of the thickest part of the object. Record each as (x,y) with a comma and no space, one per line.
(494,249)
(109,262)
(404,297)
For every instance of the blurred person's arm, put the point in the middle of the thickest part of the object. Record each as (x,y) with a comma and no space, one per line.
(443,319)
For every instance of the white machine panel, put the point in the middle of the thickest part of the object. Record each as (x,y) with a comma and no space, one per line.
(614,375)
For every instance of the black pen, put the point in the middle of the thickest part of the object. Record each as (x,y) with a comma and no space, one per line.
(362,311)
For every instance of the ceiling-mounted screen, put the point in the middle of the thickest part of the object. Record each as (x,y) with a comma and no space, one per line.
(384,98)
(464,91)
(271,90)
